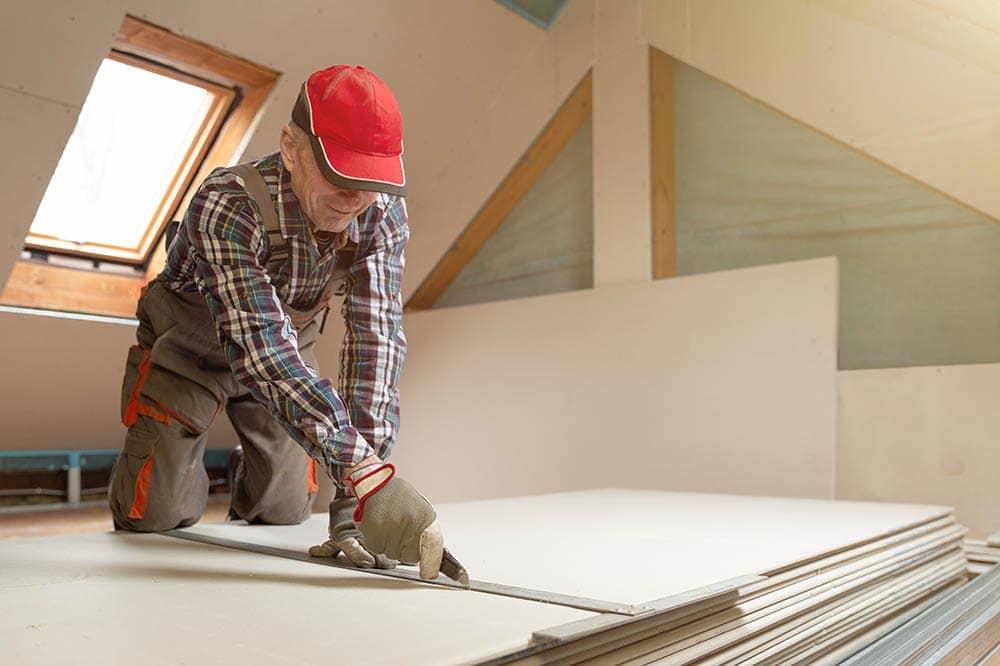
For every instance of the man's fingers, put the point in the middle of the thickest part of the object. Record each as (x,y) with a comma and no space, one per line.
(326,549)
(431,551)
(356,553)
(383,562)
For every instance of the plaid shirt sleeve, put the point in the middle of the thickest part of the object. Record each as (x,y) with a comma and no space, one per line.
(374,350)
(256,335)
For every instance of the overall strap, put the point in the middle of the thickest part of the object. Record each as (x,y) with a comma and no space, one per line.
(277,249)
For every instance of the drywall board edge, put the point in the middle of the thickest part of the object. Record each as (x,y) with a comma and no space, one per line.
(717,593)
(663,631)
(945,511)
(914,584)
(739,634)
(836,654)
(925,628)
(982,632)
(651,646)
(581,603)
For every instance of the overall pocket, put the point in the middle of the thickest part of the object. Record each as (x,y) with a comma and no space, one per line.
(180,399)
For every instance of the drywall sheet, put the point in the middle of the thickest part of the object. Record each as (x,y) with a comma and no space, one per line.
(150,599)
(630,546)
(722,382)
(922,435)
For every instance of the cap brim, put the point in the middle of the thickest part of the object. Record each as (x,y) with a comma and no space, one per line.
(345,168)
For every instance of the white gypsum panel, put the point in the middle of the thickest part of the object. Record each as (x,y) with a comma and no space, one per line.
(130,598)
(631,546)
(922,435)
(723,382)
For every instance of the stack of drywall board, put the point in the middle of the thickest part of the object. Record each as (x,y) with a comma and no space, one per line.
(609,576)
(982,554)
(960,628)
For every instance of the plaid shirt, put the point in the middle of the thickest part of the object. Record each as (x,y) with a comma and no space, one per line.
(220,250)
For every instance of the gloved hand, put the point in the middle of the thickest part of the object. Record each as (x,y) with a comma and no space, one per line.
(396,520)
(346,538)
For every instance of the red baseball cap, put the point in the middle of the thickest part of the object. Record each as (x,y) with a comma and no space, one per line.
(354,127)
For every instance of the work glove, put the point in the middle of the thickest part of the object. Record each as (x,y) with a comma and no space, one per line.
(346,538)
(395,520)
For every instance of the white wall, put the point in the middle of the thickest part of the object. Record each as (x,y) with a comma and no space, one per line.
(721,382)
(928,435)
(66,393)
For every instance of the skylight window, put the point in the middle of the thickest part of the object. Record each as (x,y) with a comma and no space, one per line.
(140,135)
(163,111)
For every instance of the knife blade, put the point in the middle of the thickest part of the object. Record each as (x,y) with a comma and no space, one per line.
(453,569)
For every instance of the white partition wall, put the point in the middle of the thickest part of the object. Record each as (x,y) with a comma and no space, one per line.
(722,382)
(923,435)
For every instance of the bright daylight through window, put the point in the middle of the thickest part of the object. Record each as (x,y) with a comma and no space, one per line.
(130,154)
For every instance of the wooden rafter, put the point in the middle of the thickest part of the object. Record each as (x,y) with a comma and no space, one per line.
(661,164)
(557,133)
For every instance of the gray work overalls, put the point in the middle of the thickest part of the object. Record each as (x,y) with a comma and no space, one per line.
(177,381)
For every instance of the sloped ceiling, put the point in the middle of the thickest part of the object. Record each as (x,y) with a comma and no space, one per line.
(913,84)
(446,76)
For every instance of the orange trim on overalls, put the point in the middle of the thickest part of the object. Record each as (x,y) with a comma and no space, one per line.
(132,408)
(138,509)
(152,413)
(311,484)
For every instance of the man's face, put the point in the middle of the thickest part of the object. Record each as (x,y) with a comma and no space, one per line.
(328,207)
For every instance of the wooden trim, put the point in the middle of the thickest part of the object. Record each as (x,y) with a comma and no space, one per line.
(222,99)
(35,285)
(550,142)
(661,164)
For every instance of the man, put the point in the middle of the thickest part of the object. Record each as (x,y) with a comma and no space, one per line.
(232,321)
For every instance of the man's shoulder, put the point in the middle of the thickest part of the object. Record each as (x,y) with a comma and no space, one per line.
(226,180)
(392,209)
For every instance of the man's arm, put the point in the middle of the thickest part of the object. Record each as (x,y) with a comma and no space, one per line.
(256,335)
(374,350)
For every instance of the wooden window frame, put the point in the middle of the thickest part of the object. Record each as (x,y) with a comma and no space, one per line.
(222,99)
(43,286)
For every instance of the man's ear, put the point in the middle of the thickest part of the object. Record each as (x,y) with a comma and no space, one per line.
(288,153)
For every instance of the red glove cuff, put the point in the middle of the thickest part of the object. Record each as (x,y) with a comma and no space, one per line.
(369,484)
